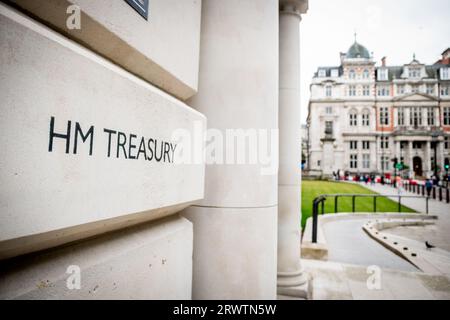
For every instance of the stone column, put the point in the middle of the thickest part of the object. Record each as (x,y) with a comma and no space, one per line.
(407,116)
(397,150)
(410,158)
(373,156)
(437,118)
(291,278)
(235,225)
(441,157)
(424,112)
(427,161)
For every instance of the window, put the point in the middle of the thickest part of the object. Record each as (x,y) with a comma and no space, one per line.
(329,110)
(322,73)
(352,91)
(382,74)
(353,116)
(335,73)
(329,127)
(446,116)
(366,145)
(417,145)
(366,118)
(318,163)
(353,161)
(383,91)
(352,74)
(401,89)
(415,88)
(401,116)
(445,74)
(446,144)
(430,89)
(366,74)
(366,90)
(416,116)
(384,142)
(384,116)
(414,72)
(430,116)
(444,90)
(384,161)
(353,145)
(366,161)
(328,91)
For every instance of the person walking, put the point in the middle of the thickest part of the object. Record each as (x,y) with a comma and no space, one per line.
(428,186)
(399,183)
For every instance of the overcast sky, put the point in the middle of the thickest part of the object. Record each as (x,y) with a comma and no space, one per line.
(392,28)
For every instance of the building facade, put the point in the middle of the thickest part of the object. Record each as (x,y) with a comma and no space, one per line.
(365,118)
(109,109)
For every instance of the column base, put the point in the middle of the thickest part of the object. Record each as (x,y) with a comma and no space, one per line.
(294,284)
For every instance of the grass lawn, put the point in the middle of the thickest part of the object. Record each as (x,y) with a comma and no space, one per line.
(313,189)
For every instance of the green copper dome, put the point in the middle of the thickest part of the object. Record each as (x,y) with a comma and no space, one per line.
(358,51)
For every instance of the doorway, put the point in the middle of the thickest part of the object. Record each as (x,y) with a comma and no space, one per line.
(417,166)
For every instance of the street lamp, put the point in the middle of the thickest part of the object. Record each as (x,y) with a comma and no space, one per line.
(435,136)
(401,157)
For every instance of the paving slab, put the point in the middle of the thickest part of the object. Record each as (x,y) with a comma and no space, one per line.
(438,235)
(348,243)
(340,281)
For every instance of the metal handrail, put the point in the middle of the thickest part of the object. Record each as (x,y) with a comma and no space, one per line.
(322,198)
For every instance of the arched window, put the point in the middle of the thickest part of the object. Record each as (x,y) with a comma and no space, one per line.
(366,117)
(366,74)
(353,118)
(352,74)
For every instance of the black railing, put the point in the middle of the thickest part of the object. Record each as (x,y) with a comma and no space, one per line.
(440,193)
(321,201)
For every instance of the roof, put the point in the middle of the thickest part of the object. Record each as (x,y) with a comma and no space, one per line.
(357,51)
(328,71)
(395,72)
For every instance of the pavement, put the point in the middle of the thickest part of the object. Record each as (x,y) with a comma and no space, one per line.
(361,268)
(348,243)
(339,281)
(438,234)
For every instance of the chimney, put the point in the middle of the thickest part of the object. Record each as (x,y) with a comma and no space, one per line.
(383,61)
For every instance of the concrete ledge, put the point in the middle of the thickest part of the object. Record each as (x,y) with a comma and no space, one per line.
(108,28)
(319,250)
(150,261)
(430,260)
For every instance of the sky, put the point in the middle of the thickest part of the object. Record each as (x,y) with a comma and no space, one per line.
(393,28)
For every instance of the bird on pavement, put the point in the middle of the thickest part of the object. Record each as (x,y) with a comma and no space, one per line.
(429,245)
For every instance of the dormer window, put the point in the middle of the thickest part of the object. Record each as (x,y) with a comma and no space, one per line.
(335,73)
(445,73)
(382,74)
(322,73)
(414,72)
